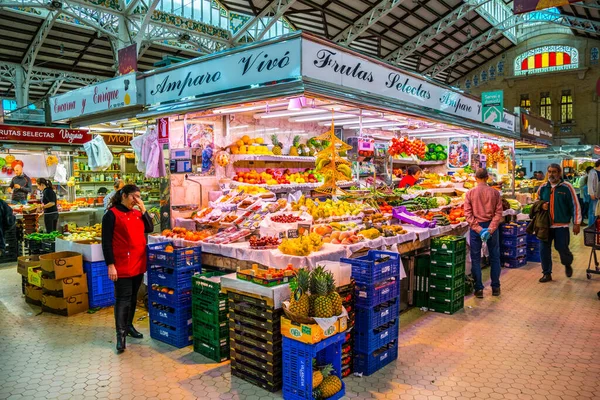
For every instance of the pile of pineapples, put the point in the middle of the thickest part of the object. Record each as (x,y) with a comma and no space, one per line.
(323,300)
(325,384)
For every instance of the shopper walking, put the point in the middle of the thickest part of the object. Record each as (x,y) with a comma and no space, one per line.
(562,202)
(117,185)
(49,204)
(413,173)
(7,221)
(20,185)
(593,184)
(584,194)
(124,248)
(483,210)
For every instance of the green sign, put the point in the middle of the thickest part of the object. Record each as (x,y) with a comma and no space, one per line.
(492,107)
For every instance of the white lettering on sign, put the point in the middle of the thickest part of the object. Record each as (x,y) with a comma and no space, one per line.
(70,136)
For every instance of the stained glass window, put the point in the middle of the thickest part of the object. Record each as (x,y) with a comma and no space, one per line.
(546,59)
(525,103)
(566,107)
(545,106)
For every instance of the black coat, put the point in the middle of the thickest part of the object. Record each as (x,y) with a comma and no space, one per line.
(7,221)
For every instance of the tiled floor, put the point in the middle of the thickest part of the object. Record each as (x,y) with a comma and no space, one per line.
(538,341)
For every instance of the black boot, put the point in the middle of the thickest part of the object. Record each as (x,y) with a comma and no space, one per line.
(134,333)
(121,340)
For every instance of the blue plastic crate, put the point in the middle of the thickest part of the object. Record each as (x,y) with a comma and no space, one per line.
(370,318)
(371,295)
(513,241)
(376,266)
(514,262)
(298,361)
(175,278)
(512,230)
(101,290)
(368,363)
(513,252)
(533,247)
(179,258)
(177,317)
(177,299)
(171,335)
(532,238)
(369,341)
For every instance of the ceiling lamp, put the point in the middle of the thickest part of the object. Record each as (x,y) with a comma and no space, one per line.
(287,113)
(234,110)
(297,103)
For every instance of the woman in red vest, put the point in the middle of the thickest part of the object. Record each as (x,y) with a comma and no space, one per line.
(124,246)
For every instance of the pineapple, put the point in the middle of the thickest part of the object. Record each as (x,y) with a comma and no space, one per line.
(333,295)
(276,145)
(318,376)
(330,386)
(299,303)
(321,304)
(312,287)
(294,148)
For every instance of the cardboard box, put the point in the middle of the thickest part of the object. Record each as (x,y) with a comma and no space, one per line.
(33,295)
(34,276)
(65,287)
(65,306)
(311,333)
(63,264)
(24,262)
(91,250)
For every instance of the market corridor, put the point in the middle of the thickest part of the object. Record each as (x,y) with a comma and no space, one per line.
(538,341)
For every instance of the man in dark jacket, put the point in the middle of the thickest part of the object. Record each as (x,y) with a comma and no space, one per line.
(7,221)
(561,201)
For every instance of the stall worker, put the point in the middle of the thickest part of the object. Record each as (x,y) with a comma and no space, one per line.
(520,175)
(413,173)
(48,204)
(20,184)
(483,210)
(124,232)
(117,185)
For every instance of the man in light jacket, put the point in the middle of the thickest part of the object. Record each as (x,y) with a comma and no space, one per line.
(593,186)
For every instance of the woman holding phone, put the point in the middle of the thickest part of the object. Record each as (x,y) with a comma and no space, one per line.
(124,230)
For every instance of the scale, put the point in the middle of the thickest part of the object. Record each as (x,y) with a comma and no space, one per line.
(181,161)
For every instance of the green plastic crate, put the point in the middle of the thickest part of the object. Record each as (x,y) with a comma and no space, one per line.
(447,271)
(206,290)
(216,353)
(421,282)
(458,257)
(441,282)
(209,314)
(448,244)
(446,308)
(211,334)
(448,296)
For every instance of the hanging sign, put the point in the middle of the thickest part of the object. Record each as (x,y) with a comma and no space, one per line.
(536,129)
(127,57)
(115,139)
(262,65)
(492,104)
(459,152)
(44,135)
(334,66)
(163,130)
(116,93)
(524,6)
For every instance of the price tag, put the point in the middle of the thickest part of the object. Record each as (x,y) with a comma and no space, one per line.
(292,233)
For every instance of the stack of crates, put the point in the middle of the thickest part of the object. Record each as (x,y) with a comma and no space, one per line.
(447,274)
(347,294)
(170,272)
(513,245)
(101,290)
(533,249)
(298,365)
(11,251)
(209,316)
(256,340)
(377,277)
(421,282)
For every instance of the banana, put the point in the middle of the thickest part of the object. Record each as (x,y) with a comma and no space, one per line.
(344,169)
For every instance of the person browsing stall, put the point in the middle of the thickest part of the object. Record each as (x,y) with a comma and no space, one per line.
(560,198)
(124,230)
(20,185)
(413,173)
(483,210)
(48,204)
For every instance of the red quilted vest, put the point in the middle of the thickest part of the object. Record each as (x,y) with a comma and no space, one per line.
(129,243)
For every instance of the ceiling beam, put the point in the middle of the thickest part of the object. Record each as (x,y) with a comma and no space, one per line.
(383,8)
(578,24)
(273,11)
(410,47)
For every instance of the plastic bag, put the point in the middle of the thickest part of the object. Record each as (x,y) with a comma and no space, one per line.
(99,155)
(60,175)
